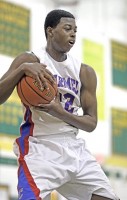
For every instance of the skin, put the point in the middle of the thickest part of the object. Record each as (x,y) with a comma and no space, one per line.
(58,44)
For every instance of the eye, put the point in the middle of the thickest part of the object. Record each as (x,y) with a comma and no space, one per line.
(67,28)
(70,28)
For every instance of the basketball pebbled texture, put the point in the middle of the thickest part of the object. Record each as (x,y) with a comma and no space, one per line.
(31,94)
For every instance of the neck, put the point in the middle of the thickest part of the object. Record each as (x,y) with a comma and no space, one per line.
(58,56)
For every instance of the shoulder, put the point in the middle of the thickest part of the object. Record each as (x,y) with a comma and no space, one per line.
(87,70)
(88,76)
(24,57)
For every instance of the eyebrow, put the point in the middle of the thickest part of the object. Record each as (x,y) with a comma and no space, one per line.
(69,25)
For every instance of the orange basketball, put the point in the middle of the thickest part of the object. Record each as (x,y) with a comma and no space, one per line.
(31,94)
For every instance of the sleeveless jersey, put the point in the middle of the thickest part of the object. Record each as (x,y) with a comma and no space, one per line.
(66,74)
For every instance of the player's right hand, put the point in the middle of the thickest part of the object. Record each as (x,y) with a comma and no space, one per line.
(39,72)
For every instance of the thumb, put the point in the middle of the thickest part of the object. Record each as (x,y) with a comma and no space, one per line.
(57,96)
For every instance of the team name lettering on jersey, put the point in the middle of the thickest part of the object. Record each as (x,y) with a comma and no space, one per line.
(67,83)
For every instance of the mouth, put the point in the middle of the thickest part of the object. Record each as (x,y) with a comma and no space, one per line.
(71,42)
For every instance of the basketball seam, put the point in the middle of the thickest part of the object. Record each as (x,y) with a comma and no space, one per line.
(23,94)
(53,86)
(35,90)
(55,89)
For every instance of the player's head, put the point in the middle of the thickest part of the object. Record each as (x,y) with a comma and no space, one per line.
(60,30)
(53,18)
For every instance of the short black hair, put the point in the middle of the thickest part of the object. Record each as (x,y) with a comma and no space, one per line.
(53,18)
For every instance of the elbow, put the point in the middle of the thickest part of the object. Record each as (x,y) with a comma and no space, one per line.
(2,99)
(91,129)
(1,102)
(92,126)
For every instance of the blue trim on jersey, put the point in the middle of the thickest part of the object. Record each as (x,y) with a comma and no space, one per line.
(24,190)
(25,130)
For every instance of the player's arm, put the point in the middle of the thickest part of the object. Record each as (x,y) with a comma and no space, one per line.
(88,121)
(10,79)
(88,96)
(25,64)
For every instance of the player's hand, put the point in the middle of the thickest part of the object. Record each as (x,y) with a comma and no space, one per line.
(54,107)
(39,72)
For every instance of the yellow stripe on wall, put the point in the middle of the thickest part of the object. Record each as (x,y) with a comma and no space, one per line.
(117,160)
(6,143)
(93,55)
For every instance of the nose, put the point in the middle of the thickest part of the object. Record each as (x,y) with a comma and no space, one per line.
(73,33)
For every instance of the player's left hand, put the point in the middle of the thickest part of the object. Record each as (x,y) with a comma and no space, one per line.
(54,107)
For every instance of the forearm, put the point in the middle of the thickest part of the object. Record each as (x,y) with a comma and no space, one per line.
(8,83)
(85,122)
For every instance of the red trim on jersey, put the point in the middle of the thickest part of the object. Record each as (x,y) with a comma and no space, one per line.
(21,160)
(32,125)
(28,175)
(30,180)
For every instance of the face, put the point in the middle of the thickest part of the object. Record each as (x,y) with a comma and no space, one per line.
(62,37)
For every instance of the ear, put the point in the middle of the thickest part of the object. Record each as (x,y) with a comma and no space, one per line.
(49,31)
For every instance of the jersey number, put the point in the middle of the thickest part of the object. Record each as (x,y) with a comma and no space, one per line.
(69,99)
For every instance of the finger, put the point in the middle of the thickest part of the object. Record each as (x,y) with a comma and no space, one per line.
(42,105)
(42,109)
(39,82)
(49,76)
(43,81)
(57,96)
(43,65)
(45,84)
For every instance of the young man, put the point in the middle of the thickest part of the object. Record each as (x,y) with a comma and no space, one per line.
(50,156)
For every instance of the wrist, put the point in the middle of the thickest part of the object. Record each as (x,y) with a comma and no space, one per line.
(23,68)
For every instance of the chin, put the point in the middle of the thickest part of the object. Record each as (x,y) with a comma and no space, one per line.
(67,50)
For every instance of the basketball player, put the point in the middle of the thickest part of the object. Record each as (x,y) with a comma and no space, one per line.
(50,156)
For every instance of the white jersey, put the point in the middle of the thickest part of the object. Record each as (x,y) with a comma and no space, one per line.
(69,85)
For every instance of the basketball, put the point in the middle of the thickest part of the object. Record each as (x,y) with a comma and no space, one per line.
(30,93)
